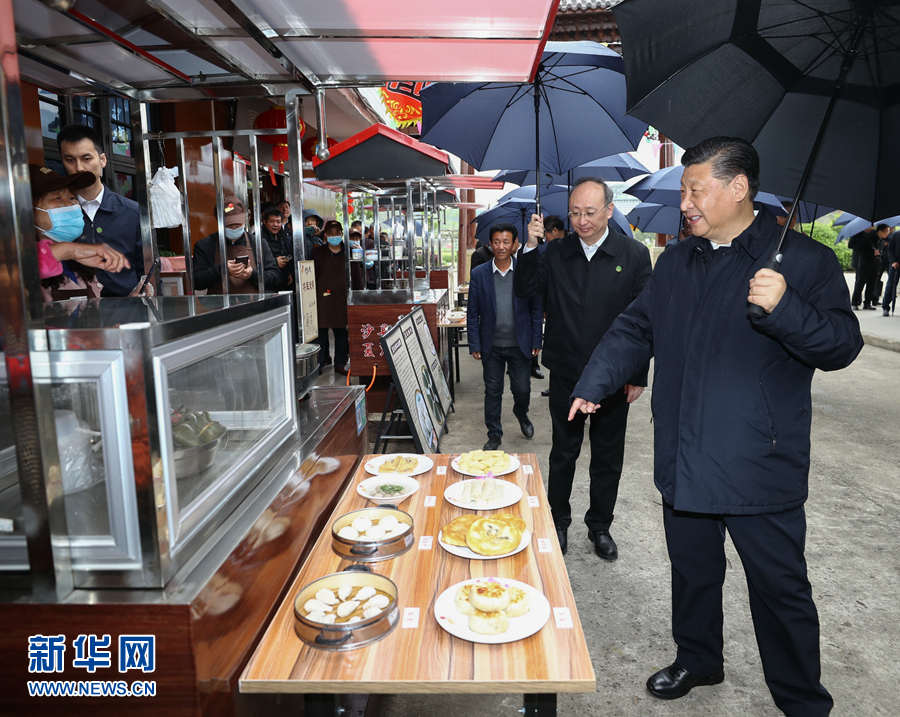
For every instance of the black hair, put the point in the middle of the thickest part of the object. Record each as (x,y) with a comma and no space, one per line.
(271,211)
(553,222)
(355,235)
(283,201)
(504,227)
(73,133)
(882,227)
(607,191)
(729,157)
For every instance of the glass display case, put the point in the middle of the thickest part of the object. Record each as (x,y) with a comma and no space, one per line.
(168,412)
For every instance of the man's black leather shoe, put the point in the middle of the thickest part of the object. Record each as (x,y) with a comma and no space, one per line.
(537,373)
(604,545)
(527,427)
(563,540)
(493,443)
(674,681)
(545,392)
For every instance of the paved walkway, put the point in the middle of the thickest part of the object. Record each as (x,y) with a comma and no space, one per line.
(878,330)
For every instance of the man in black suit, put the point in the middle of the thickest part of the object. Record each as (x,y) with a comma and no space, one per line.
(588,278)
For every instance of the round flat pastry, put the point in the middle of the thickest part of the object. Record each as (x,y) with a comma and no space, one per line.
(462,599)
(514,519)
(488,623)
(454,533)
(488,536)
(519,602)
(489,597)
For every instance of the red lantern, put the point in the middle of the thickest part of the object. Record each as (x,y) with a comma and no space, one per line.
(276,118)
(311,145)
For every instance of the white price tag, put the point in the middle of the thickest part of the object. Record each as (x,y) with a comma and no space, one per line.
(410,617)
(425,542)
(527,469)
(430,501)
(544,545)
(533,501)
(442,470)
(562,616)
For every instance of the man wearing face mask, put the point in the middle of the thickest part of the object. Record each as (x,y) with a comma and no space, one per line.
(66,268)
(331,287)
(109,218)
(241,260)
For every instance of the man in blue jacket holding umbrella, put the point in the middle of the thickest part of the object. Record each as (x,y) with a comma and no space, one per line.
(732,411)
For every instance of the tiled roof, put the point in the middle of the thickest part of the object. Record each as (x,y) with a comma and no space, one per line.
(575,5)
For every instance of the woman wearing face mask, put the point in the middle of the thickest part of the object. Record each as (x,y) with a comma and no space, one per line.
(243,273)
(331,300)
(65,266)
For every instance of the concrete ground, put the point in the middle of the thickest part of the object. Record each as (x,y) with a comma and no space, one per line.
(624,606)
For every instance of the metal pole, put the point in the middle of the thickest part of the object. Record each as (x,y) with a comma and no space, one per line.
(410,232)
(323,153)
(186,220)
(142,176)
(257,226)
(345,202)
(21,309)
(376,239)
(220,211)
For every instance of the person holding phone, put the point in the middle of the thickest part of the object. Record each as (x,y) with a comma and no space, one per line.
(241,263)
(281,243)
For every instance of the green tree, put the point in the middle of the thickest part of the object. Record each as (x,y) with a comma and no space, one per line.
(827,234)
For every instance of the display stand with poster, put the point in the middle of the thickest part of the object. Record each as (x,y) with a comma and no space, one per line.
(431,355)
(407,384)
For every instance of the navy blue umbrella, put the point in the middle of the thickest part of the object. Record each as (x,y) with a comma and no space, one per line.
(854,226)
(574,110)
(659,218)
(615,168)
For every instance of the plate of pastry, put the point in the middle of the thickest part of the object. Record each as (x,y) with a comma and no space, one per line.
(407,464)
(485,538)
(480,463)
(491,610)
(483,493)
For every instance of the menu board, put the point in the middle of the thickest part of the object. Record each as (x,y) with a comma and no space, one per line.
(427,385)
(406,383)
(309,315)
(434,363)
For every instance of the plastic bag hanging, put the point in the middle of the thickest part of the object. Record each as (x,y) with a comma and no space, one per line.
(166,208)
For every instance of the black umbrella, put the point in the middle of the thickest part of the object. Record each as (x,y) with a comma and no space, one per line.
(813,84)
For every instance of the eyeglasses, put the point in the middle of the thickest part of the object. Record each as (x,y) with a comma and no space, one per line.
(589,215)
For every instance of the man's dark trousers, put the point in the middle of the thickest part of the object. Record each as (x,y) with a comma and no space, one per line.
(784,616)
(891,289)
(607,434)
(494,366)
(866,276)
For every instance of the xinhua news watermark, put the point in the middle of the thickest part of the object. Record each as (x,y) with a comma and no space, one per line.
(47,655)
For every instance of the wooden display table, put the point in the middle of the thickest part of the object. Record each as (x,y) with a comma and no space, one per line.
(425,658)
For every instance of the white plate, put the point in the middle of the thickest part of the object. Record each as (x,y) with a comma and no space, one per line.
(425,464)
(512,494)
(513,466)
(457,624)
(472,555)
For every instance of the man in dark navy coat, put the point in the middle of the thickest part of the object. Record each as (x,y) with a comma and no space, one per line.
(109,218)
(587,278)
(504,332)
(732,411)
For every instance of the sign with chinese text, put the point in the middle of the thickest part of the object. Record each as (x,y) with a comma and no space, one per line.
(309,316)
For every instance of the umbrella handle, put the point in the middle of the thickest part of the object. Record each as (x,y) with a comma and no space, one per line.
(755,311)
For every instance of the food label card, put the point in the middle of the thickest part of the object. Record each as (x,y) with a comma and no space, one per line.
(442,470)
(430,501)
(527,469)
(533,501)
(562,616)
(425,542)
(410,617)
(544,545)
